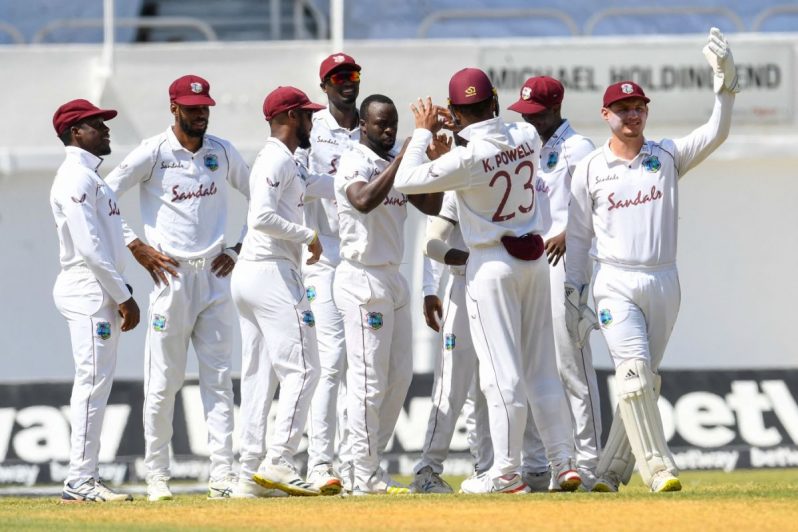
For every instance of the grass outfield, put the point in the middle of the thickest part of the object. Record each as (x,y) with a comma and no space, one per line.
(743,500)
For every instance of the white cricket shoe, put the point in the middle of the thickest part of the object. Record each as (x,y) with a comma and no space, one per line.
(324,478)
(663,481)
(537,482)
(380,483)
(566,476)
(283,476)
(483,483)
(347,472)
(245,488)
(222,488)
(158,489)
(428,481)
(92,491)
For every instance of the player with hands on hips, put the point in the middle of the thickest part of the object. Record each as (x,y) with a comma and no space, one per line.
(278,332)
(508,297)
(182,175)
(90,291)
(625,195)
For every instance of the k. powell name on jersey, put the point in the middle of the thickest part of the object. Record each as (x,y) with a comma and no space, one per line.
(177,195)
(507,157)
(640,199)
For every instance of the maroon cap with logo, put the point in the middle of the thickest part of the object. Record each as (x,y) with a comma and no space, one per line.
(623,90)
(538,94)
(470,85)
(74,111)
(190,90)
(284,99)
(335,62)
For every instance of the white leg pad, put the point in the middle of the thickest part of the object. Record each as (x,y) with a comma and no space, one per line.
(616,456)
(637,402)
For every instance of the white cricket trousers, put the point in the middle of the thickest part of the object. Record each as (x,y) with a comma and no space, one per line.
(195,306)
(318,279)
(278,338)
(453,376)
(578,378)
(377,323)
(637,310)
(509,307)
(94,329)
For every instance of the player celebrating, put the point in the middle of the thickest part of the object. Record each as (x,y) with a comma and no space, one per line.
(371,292)
(181,173)
(625,194)
(508,293)
(89,291)
(334,130)
(540,104)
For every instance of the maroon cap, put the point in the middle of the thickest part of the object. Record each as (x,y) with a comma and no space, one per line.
(623,90)
(190,90)
(538,94)
(470,85)
(338,61)
(284,99)
(73,112)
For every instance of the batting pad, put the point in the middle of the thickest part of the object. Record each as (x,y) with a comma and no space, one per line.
(637,403)
(616,456)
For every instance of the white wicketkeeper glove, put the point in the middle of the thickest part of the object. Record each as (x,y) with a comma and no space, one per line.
(580,319)
(720,58)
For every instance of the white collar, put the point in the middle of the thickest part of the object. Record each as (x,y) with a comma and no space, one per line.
(84,158)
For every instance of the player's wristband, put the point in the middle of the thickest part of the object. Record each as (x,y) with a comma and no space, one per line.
(230,252)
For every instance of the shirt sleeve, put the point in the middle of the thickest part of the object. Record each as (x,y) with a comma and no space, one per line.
(697,146)
(449,172)
(579,231)
(238,177)
(433,270)
(79,205)
(267,185)
(134,169)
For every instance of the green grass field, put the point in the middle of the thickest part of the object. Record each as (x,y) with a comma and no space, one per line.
(743,500)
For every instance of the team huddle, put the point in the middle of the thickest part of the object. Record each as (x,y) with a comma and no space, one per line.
(528,217)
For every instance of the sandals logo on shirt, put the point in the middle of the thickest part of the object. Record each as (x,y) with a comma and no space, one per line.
(212,162)
(311,292)
(605,317)
(308,318)
(374,320)
(104,330)
(652,163)
(449,341)
(159,323)
(554,157)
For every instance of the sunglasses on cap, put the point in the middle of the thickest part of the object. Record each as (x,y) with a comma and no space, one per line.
(342,77)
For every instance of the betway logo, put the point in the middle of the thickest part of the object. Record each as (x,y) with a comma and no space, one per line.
(708,420)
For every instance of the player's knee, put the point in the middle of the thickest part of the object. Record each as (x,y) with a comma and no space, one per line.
(632,376)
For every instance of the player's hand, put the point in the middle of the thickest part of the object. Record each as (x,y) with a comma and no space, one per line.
(580,319)
(156,263)
(433,312)
(315,249)
(440,144)
(555,248)
(224,263)
(719,57)
(130,313)
(427,115)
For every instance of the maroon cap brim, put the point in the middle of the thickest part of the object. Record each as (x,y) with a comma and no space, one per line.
(197,99)
(527,107)
(310,106)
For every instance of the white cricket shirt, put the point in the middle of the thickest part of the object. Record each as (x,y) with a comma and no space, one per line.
(328,141)
(494,179)
(375,238)
(632,207)
(88,222)
(434,269)
(558,159)
(183,194)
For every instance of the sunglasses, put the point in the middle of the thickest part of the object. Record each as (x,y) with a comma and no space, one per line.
(342,77)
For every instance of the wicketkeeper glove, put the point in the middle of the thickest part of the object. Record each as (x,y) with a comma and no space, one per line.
(580,319)
(720,58)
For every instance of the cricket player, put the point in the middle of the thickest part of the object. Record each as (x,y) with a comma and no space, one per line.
(507,285)
(278,332)
(625,195)
(335,128)
(540,104)
(371,293)
(90,291)
(181,174)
